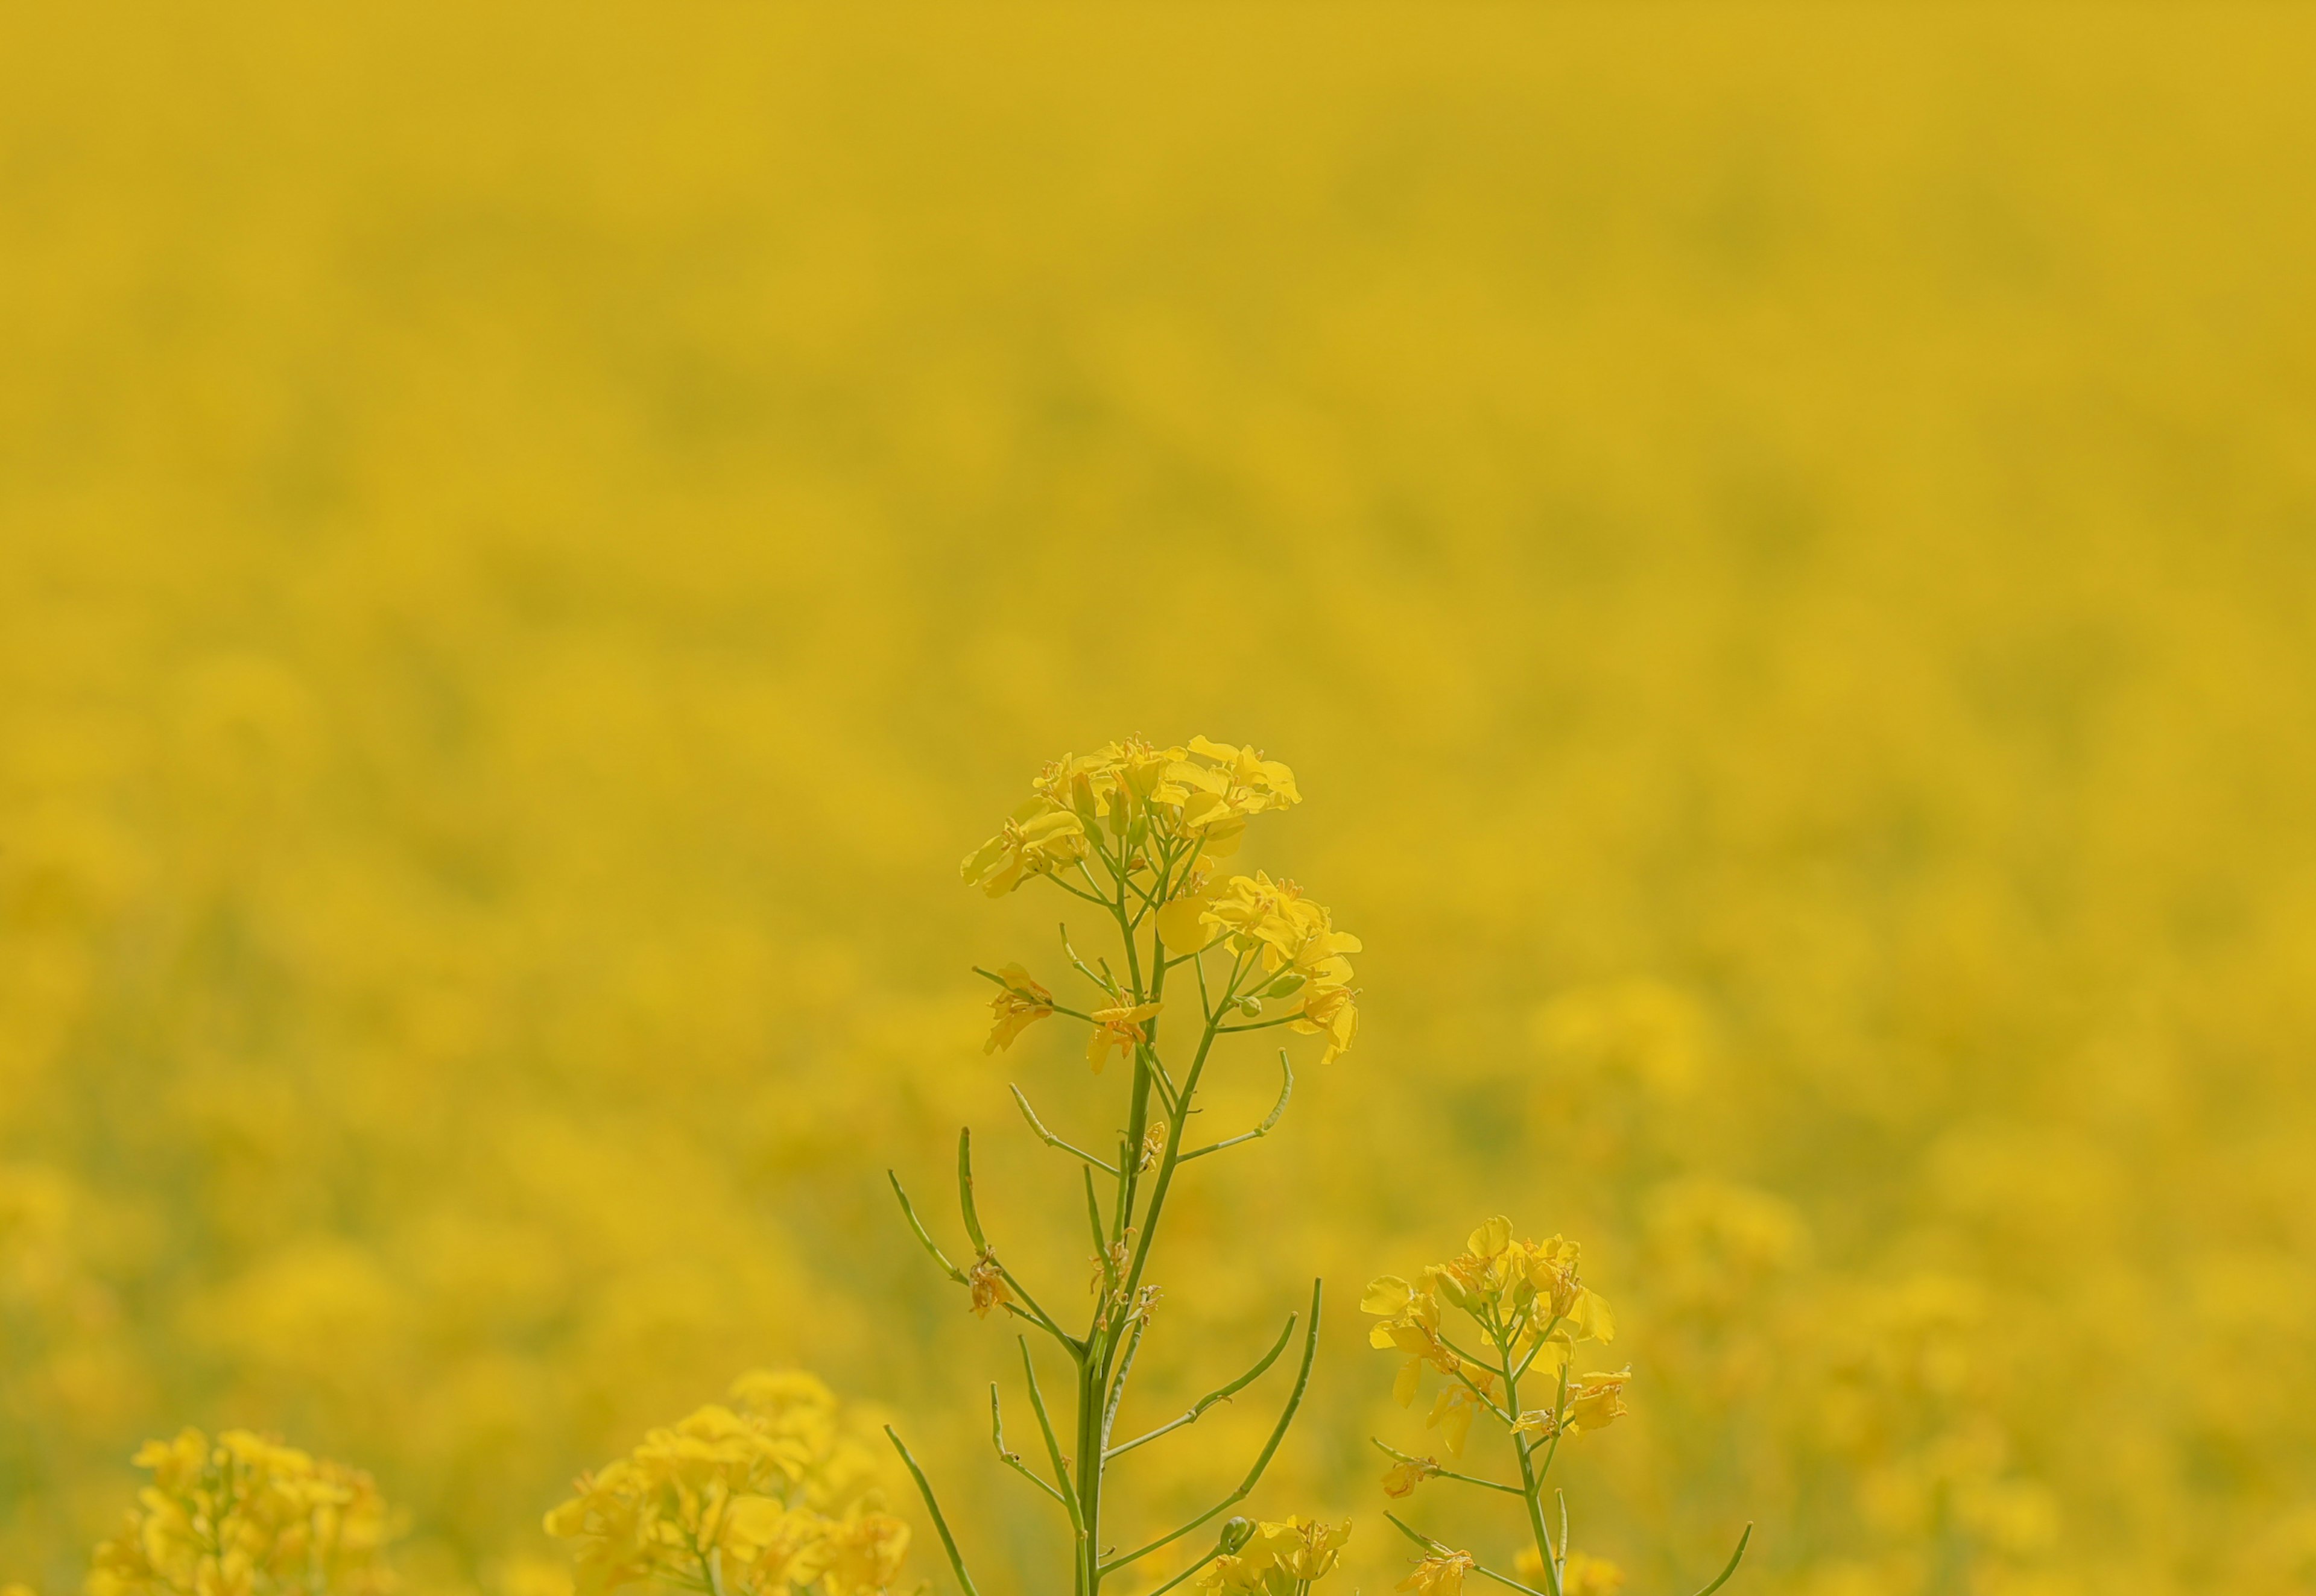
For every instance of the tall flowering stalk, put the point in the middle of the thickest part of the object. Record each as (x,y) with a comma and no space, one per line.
(1529,1312)
(1139,835)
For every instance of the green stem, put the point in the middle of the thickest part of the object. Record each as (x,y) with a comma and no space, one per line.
(1061,1464)
(1734,1558)
(1262,1462)
(1389,1451)
(1200,1407)
(1440,1547)
(941,1523)
(1531,1482)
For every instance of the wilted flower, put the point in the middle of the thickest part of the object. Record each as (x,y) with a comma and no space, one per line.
(1403,1475)
(1442,1576)
(1019,1005)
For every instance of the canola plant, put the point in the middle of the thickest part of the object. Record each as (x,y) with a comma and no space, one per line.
(1780,535)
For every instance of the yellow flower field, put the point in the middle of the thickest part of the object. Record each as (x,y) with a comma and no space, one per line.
(1777,543)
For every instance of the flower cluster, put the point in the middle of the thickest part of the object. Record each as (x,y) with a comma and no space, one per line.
(1276,1559)
(1155,821)
(1528,1304)
(1529,1307)
(1291,938)
(767,1495)
(243,1515)
(1144,796)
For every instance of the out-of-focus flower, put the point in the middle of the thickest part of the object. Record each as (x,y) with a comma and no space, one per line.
(766,1496)
(243,1515)
(1583,1575)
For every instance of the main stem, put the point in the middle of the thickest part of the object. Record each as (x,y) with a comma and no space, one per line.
(1096,1366)
(1531,1483)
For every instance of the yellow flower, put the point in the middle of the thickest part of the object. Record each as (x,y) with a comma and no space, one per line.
(1595,1401)
(1020,1005)
(1303,1548)
(867,1553)
(987,1283)
(1583,1575)
(1038,841)
(1456,1407)
(1439,1576)
(1598,1400)
(1254,783)
(1182,923)
(1231,1573)
(1120,1030)
(1590,1576)
(1403,1476)
(1332,1012)
(764,1497)
(1411,1323)
(245,1515)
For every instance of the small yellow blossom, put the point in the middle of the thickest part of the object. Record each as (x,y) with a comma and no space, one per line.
(1020,1005)
(1038,841)
(1403,1476)
(1332,1012)
(1277,1558)
(1304,1548)
(1598,1400)
(1411,1323)
(1118,1030)
(1231,1573)
(1441,1576)
(1456,1405)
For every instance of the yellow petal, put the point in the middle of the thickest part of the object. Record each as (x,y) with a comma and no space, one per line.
(1490,1238)
(1179,927)
(1385,1294)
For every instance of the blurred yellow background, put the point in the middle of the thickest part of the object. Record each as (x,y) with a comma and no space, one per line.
(1779,542)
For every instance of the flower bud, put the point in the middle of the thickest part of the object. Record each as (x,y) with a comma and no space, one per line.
(1236,1533)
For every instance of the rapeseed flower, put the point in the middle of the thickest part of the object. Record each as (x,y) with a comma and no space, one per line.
(245,1515)
(1020,1003)
(1440,1575)
(1120,1029)
(766,1496)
